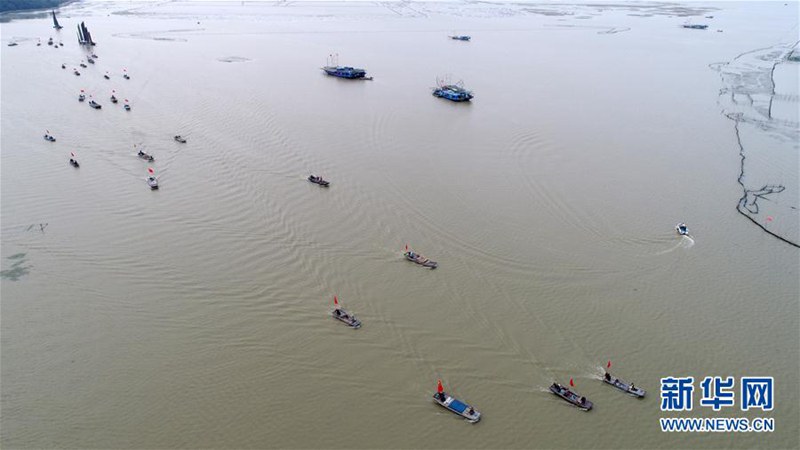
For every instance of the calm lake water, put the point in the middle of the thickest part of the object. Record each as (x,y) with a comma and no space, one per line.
(198,315)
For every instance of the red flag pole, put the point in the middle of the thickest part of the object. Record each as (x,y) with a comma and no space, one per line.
(335,301)
(608,366)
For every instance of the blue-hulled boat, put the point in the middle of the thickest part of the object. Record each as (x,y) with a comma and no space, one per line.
(333,69)
(461,38)
(682,229)
(345,72)
(694,27)
(452,91)
(455,406)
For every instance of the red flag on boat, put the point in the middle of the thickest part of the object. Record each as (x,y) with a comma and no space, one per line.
(336,301)
(406,247)
(81,90)
(571,383)
(150,169)
(608,366)
(439,387)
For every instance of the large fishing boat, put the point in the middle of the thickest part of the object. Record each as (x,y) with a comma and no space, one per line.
(333,69)
(452,91)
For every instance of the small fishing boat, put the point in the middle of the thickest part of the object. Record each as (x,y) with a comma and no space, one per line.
(682,229)
(106,77)
(83,65)
(454,405)
(152,182)
(75,71)
(127,107)
(340,314)
(94,56)
(694,27)
(454,92)
(145,156)
(319,181)
(179,138)
(94,104)
(49,138)
(126,76)
(74,162)
(460,38)
(571,397)
(50,41)
(419,259)
(81,96)
(63,66)
(12,44)
(90,60)
(623,386)
(113,99)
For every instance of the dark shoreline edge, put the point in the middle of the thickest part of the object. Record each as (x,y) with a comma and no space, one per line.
(55,5)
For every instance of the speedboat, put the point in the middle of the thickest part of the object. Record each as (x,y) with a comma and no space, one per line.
(682,229)
(455,406)
(180,139)
(421,260)
(571,397)
(47,137)
(94,104)
(319,181)
(152,182)
(346,317)
(74,162)
(623,386)
(145,156)
(113,99)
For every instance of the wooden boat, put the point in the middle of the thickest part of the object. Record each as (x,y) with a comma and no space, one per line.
(623,386)
(145,156)
(571,397)
(318,180)
(340,314)
(180,139)
(455,406)
(419,259)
